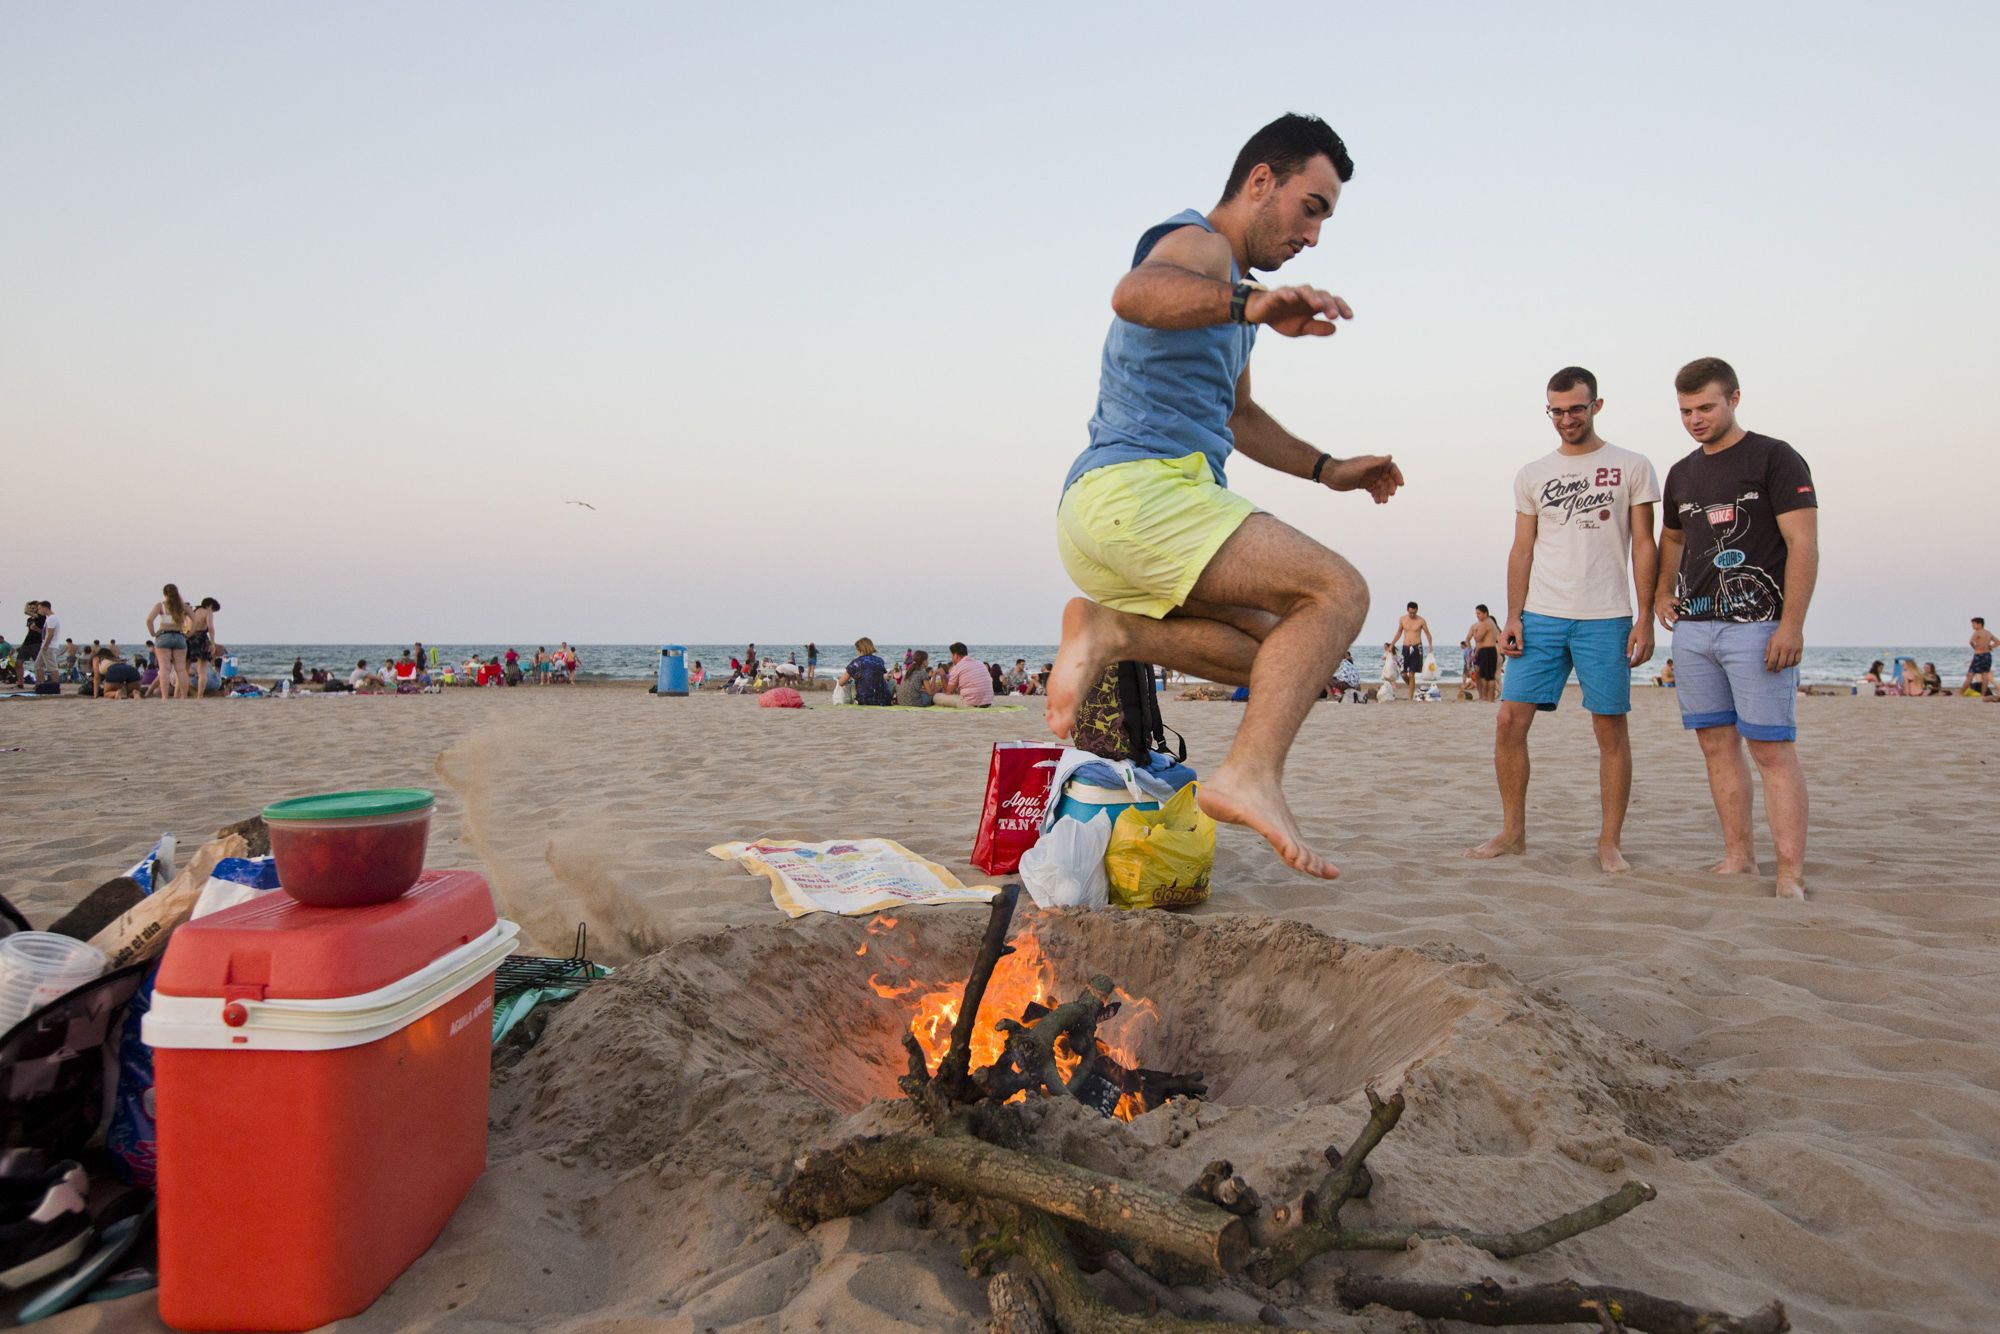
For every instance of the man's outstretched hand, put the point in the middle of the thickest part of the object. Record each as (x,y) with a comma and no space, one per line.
(1297,312)
(1377,474)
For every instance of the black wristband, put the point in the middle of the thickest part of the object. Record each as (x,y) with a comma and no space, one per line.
(1319,464)
(1239,297)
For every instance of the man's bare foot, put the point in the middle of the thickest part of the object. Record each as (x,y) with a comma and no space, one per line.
(1734,866)
(1611,859)
(1080,660)
(1791,885)
(1261,806)
(1500,845)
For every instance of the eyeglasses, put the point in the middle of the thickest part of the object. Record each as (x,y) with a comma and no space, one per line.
(1558,414)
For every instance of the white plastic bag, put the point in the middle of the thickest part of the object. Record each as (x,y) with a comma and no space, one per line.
(1065,868)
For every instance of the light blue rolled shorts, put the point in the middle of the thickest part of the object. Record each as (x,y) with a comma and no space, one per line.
(1720,680)
(1552,645)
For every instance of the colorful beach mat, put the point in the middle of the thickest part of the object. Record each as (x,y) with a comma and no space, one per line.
(851,877)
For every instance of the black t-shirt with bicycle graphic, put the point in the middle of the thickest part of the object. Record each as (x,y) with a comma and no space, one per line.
(1727,505)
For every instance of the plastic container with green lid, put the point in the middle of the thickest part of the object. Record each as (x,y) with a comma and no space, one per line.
(350,849)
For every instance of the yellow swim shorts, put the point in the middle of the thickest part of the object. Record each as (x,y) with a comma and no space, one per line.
(1136,535)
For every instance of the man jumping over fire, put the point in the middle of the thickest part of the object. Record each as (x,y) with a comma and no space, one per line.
(1178,569)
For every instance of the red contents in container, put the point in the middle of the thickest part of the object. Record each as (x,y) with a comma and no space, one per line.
(347,865)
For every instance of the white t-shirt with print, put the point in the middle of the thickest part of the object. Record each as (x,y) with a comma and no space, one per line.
(1582,504)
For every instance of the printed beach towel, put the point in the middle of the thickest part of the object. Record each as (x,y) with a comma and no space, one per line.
(851,877)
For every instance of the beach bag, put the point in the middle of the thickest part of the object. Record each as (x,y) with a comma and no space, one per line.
(1065,868)
(1017,795)
(1162,858)
(1119,718)
(780,697)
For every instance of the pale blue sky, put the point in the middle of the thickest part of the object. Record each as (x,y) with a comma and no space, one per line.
(325,311)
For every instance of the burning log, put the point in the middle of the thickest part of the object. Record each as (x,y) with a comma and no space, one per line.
(854,1176)
(954,1072)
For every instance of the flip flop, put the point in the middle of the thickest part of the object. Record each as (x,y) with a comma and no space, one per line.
(112,1242)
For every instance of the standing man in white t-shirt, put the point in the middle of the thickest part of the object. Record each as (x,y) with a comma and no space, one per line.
(1583,539)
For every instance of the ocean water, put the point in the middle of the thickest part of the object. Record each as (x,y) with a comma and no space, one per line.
(1823,665)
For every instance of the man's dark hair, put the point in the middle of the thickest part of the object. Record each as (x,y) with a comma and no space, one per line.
(1979,620)
(1285,146)
(961,650)
(1569,377)
(1702,372)
(1482,607)
(1413,606)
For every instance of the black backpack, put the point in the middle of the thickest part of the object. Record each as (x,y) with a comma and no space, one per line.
(1120,717)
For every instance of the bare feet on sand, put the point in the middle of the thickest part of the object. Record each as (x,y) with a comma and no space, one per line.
(1079,662)
(1500,845)
(1261,806)
(1791,885)
(1611,859)
(1734,866)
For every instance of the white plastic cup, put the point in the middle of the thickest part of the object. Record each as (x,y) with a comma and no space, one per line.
(37,967)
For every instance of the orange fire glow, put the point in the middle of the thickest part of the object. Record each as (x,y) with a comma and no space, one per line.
(1025,977)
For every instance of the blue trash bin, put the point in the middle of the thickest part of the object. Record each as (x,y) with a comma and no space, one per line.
(673,670)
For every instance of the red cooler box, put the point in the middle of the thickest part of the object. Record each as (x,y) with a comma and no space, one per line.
(320,1076)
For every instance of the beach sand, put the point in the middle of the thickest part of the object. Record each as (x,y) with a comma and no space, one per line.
(1813,1089)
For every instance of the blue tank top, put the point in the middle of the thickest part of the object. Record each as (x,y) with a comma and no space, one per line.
(1166,393)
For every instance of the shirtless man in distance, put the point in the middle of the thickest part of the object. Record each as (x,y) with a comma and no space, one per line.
(1412,633)
(1984,641)
(1178,569)
(1485,639)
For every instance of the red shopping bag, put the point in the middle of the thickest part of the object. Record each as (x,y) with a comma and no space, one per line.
(1017,792)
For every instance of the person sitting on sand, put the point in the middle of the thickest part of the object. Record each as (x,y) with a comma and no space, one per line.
(362,681)
(111,676)
(696,675)
(1665,676)
(868,674)
(1873,677)
(1020,680)
(406,670)
(1933,683)
(1913,679)
(968,685)
(911,693)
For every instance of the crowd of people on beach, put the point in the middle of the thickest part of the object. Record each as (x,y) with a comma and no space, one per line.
(181,658)
(956,679)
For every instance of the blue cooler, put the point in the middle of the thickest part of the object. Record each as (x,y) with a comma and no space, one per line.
(1095,788)
(673,671)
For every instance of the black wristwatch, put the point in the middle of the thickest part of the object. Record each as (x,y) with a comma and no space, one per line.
(1319,465)
(1239,297)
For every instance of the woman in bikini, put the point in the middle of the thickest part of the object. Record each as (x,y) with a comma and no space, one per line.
(166,626)
(201,642)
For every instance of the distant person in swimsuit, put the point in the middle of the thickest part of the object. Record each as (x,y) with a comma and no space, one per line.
(1178,569)
(166,627)
(1413,632)
(201,645)
(1484,636)
(1980,677)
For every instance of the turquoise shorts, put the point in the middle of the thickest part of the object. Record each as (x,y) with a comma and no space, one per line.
(1551,646)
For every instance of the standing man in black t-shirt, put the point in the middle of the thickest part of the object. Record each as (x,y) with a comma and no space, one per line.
(1738,560)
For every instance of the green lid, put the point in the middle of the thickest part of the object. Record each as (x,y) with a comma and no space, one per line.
(351,805)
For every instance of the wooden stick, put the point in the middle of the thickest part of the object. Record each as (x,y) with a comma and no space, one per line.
(1345,1177)
(853,1176)
(1506,1245)
(1077,1308)
(954,1069)
(1568,1303)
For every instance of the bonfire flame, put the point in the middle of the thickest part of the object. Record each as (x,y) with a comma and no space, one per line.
(1023,978)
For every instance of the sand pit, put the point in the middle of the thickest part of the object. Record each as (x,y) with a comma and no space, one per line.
(696,1079)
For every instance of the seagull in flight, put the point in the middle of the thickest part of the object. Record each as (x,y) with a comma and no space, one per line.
(586,504)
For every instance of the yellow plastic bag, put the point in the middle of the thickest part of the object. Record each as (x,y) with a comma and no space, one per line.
(1162,858)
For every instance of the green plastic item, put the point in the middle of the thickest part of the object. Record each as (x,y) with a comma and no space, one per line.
(352,805)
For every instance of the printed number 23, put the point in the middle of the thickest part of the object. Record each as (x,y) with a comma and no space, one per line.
(1608,476)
